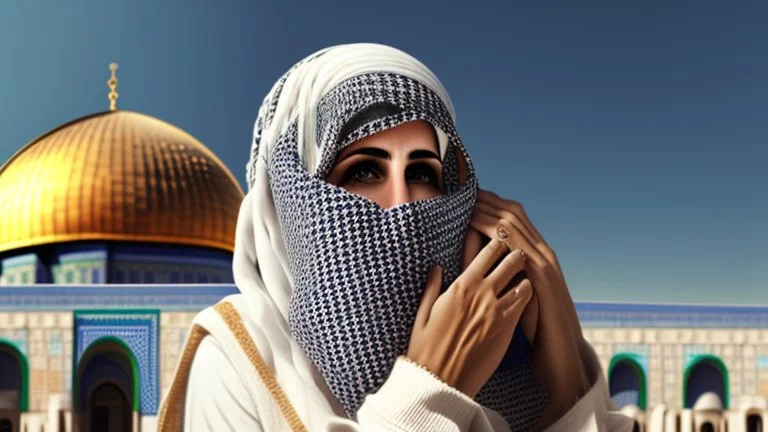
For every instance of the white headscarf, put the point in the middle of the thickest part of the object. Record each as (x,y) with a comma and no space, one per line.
(260,261)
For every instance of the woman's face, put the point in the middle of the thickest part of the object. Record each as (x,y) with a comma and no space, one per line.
(392,167)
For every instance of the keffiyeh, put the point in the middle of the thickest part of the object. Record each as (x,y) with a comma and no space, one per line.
(346,275)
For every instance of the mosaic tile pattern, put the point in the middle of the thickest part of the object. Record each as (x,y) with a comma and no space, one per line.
(187,297)
(139,331)
(640,351)
(17,336)
(641,315)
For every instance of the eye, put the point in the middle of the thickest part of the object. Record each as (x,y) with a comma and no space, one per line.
(422,173)
(362,172)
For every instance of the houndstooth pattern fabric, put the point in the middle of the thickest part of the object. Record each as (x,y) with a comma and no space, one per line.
(266,115)
(359,270)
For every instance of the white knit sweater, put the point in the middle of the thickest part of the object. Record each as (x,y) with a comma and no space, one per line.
(411,399)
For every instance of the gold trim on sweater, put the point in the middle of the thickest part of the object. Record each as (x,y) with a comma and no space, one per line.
(170,418)
(235,324)
(171,414)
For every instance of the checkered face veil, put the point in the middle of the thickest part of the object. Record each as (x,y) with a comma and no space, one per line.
(357,271)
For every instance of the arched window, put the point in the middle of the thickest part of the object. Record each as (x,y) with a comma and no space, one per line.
(705,374)
(626,381)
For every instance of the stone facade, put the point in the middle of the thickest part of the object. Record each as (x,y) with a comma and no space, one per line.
(174,328)
(668,351)
(48,324)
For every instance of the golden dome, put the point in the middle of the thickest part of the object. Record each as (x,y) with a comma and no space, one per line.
(117,175)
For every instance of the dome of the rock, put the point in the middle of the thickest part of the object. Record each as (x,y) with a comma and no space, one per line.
(117,176)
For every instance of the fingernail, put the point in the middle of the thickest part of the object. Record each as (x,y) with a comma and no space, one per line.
(522,289)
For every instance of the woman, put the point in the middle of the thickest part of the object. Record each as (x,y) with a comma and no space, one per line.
(369,300)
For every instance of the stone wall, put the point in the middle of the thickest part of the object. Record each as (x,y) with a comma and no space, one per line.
(45,338)
(667,352)
(174,327)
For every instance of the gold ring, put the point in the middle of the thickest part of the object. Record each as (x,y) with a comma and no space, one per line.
(501,233)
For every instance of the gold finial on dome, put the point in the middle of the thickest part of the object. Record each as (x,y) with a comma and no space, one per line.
(112,83)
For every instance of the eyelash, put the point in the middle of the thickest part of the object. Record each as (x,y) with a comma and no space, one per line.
(361,167)
(372,168)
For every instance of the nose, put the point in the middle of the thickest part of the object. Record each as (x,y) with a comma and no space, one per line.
(399,191)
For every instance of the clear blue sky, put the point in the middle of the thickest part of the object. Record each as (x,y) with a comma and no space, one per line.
(634,132)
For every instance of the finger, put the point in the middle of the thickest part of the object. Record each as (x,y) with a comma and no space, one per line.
(511,265)
(534,267)
(509,217)
(431,292)
(487,257)
(556,297)
(515,220)
(558,301)
(514,212)
(489,226)
(514,302)
(530,319)
(472,244)
(513,207)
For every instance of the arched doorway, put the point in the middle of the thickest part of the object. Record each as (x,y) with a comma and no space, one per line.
(705,373)
(754,423)
(106,389)
(707,427)
(110,409)
(626,381)
(14,386)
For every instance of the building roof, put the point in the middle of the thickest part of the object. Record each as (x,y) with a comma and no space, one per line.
(117,175)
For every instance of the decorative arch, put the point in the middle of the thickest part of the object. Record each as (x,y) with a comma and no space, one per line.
(139,330)
(718,364)
(16,353)
(97,347)
(631,360)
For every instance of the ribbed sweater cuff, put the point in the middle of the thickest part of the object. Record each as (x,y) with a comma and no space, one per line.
(413,399)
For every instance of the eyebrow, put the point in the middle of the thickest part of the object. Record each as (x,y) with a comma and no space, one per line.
(423,154)
(370,151)
(383,154)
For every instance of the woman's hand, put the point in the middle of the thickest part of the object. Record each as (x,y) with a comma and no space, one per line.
(550,321)
(461,335)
